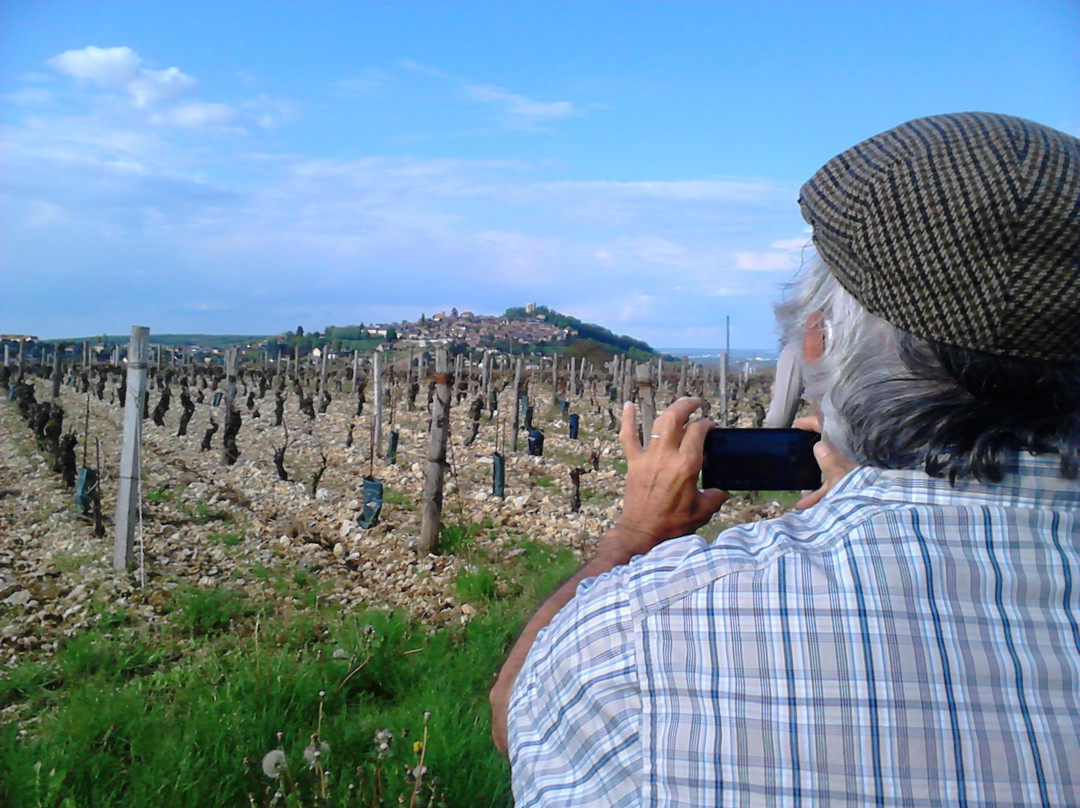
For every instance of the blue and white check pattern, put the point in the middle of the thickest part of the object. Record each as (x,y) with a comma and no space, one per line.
(903,643)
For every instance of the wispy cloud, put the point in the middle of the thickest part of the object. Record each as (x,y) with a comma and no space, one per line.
(408,234)
(29,97)
(517,110)
(512,110)
(370,83)
(198,115)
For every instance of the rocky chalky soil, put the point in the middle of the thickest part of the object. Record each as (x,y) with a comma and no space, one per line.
(207,525)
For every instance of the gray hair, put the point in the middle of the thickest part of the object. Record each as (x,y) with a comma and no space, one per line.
(893,400)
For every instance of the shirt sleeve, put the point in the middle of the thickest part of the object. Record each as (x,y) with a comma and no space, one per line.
(575,712)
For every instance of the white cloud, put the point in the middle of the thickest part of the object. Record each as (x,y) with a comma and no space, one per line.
(268,112)
(113,68)
(30,97)
(162,94)
(122,69)
(518,110)
(764,261)
(368,84)
(797,243)
(199,115)
(155,86)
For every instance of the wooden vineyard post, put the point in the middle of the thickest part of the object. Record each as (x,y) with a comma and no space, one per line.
(127,497)
(485,373)
(323,372)
(682,375)
(230,395)
(22,361)
(514,399)
(376,372)
(646,401)
(56,371)
(433,487)
(7,354)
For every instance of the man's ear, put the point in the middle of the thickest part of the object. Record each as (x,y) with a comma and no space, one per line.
(813,344)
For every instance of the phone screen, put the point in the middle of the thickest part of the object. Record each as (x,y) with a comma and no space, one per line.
(760,460)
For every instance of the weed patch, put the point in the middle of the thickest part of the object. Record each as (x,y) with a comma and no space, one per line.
(477,585)
(229,539)
(200,612)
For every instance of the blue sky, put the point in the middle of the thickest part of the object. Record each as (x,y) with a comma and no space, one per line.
(250,167)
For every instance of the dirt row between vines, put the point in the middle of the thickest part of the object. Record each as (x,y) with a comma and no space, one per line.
(204,524)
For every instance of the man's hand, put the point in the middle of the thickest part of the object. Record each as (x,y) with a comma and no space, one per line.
(834,466)
(662,500)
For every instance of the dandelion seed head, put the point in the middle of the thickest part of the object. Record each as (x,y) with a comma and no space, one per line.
(383,739)
(315,750)
(274,763)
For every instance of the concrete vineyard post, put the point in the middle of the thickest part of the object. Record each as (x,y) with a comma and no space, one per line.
(355,371)
(723,389)
(433,486)
(682,375)
(127,497)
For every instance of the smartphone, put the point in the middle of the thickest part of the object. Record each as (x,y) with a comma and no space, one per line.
(760,460)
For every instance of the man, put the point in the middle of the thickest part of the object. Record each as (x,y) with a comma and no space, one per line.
(912,637)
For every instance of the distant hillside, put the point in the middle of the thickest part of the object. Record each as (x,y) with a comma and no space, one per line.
(204,341)
(588,332)
(533,329)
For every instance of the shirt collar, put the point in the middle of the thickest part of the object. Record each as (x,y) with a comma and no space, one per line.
(1029,481)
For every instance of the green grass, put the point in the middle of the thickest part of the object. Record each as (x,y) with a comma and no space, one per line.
(182,712)
(392,496)
(228,538)
(157,495)
(477,585)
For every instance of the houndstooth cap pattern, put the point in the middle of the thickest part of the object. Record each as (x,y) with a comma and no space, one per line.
(961,228)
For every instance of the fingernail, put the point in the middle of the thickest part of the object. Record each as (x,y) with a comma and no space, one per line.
(627,405)
(821,450)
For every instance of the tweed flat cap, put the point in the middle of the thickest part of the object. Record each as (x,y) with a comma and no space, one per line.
(960,228)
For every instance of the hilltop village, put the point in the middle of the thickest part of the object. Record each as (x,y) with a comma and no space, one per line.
(529,328)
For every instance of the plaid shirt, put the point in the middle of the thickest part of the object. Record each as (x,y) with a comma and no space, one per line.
(902,643)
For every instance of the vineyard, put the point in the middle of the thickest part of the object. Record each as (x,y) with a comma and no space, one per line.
(270,643)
